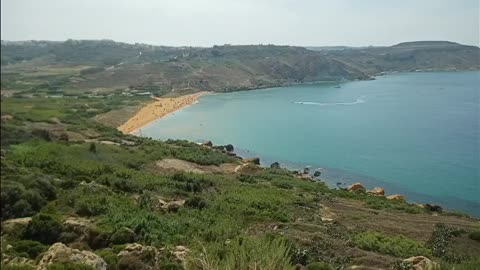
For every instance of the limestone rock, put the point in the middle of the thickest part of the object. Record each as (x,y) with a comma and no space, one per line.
(180,253)
(148,256)
(421,263)
(395,197)
(15,225)
(356,187)
(378,191)
(60,253)
(78,225)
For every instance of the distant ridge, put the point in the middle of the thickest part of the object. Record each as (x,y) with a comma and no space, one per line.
(108,64)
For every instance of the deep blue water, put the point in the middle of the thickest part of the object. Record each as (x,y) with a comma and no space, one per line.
(413,133)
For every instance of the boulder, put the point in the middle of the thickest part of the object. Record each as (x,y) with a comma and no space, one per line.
(395,197)
(377,191)
(317,173)
(356,187)
(60,253)
(180,253)
(207,143)
(17,261)
(421,263)
(229,148)
(254,160)
(6,117)
(275,165)
(433,207)
(15,225)
(79,226)
(306,170)
(146,256)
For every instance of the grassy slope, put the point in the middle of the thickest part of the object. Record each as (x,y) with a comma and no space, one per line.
(79,67)
(274,213)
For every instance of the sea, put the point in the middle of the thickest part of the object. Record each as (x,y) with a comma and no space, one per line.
(417,134)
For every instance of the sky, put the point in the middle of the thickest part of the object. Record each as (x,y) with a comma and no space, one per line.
(210,22)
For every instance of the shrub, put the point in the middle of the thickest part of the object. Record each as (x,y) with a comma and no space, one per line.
(109,257)
(246,178)
(129,262)
(474,235)
(319,266)
(243,254)
(69,266)
(196,202)
(28,248)
(44,228)
(122,236)
(398,246)
(440,238)
(16,267)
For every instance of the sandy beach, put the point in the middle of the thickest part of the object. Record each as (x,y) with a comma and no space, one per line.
(157,109)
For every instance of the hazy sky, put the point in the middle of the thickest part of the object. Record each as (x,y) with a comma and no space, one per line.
(205,23)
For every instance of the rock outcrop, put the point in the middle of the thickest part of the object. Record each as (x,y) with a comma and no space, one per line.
(396,197)
(146,257)
(15,225)
(421,263)
(377,191)
(317,173)
(60,253)
(229,147)
(207,143)
(275,165)
(254,160)
(356,187)
(79,226)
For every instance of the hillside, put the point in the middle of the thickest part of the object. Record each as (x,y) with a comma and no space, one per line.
(86,66)
(76,194)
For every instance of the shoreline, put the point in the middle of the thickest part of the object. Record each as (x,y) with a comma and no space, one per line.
(157,109)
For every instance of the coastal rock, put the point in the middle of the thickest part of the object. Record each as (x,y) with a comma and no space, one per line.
(396,197)
(317,173)
(421,263)
(306,170)
(377,191)
(356,187)
(253,160)
(229,147)
(207,143)
(60,253)
(275,165)
(433,207)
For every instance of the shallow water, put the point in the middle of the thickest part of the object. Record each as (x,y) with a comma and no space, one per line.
(413,133)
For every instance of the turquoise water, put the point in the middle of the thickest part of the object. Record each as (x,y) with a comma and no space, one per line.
(413,133)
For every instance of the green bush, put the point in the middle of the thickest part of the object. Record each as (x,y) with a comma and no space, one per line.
(28,248)
(69,266)
(474,235)
(122,236)
(109,257)
(44,228)
(319,266)
(398,246)
(17,267)
(242,254)
(440,239)
(196,202)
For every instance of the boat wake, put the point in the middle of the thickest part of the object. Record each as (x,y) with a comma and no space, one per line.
(357,101)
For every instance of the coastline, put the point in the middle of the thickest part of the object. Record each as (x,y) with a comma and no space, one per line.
(157,109)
